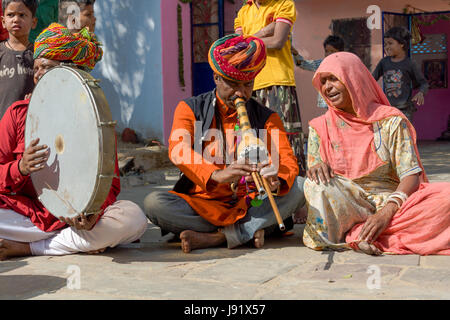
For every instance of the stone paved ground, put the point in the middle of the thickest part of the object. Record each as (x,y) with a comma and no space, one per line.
(284,269)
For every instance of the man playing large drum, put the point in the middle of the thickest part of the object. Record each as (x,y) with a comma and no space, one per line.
(26,226)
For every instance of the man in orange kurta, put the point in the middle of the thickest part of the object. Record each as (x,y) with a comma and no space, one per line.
(215,200)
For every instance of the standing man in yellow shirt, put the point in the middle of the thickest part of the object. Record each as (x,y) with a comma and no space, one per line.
(272,21)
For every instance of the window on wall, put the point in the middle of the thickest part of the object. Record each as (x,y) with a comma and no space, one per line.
(231,9)
(432,56)
(356,35)
(395,20)
(433,44)
(206,28)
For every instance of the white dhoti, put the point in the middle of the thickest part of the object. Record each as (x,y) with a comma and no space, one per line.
(122,223)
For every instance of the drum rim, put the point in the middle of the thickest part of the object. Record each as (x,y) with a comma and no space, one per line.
(83,76)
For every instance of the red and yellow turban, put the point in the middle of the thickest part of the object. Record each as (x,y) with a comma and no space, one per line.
(238,58)
(57,43)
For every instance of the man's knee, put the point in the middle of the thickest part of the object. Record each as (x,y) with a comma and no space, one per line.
(134,220)
(154,204)
(297,192)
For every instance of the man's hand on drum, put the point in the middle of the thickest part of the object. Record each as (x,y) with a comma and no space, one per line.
(81,222)
(34,158)
(320,173)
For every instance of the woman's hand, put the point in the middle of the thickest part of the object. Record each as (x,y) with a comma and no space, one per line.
(377,223)
(33,160)
(320,172)
(82,222)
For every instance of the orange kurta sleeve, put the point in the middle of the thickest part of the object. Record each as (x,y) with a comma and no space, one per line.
(183,153)
(215,202)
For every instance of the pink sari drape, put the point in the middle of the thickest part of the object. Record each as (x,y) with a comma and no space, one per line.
(422,224)
(350,152)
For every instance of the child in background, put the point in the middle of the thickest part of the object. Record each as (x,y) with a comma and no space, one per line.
(332,44)
(401,74)
(68,17)
(16,53)
(66,13)
(46,14)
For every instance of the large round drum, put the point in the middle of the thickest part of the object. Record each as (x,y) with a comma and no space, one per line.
(69,113)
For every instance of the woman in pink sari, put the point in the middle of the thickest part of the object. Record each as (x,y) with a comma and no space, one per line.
(366,187)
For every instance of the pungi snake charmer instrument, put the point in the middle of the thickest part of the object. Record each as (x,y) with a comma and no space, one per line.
(253,148)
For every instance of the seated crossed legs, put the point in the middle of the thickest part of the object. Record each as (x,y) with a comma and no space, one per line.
(173,214)
(219,202)
(122,223)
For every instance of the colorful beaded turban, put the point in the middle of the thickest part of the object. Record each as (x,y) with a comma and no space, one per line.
(58,43)
(238,58)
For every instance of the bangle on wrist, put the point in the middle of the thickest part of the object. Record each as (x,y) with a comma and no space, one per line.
(401,195)
(397,197)
(393,200)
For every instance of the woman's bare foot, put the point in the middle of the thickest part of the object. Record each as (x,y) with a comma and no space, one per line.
(191,240)
(258,239)
(300,216)
(10,249)
(369,248)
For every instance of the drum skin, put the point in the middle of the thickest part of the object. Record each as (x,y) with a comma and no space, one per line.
(69,113)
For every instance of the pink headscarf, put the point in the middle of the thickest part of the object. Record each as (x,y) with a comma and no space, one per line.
(347,141)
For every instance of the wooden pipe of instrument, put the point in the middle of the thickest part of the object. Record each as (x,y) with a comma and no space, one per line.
(250,140)
(274,205)
(259,185)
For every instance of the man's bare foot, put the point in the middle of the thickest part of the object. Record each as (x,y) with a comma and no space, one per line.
(369,248)
(191,240)
(300,216)
(10,249)
(258,239)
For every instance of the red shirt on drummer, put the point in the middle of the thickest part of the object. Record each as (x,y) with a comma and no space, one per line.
(16,190)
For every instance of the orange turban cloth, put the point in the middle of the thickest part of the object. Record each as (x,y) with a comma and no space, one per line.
(238,58)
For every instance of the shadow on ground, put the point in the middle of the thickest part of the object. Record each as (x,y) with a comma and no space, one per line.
(20,287)
(6,266)
(170,251)
(435,155)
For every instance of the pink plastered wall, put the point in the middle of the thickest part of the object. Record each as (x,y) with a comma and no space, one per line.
(313,26)
(431,118)
(173,93)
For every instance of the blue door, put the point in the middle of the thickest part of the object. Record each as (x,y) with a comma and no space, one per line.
(207,27)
